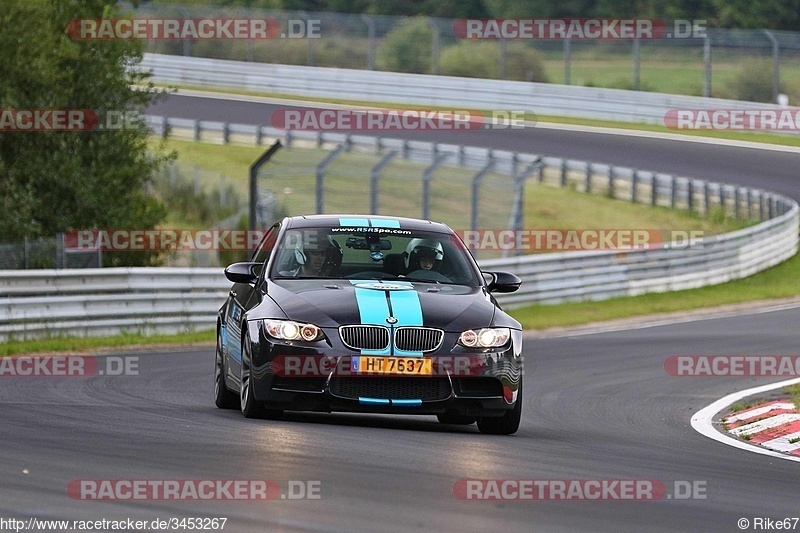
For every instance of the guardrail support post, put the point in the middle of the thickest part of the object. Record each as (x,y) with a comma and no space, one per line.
(611,192)
(736,200)
(690,194)
(706,199)
(673,192)
(634,184)
(226,133)
(588,185)
(563,180)
(196,130)
(654,189)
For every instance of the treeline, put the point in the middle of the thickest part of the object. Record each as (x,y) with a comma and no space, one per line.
(751,14)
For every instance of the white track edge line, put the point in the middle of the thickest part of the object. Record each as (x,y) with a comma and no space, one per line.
(702,421)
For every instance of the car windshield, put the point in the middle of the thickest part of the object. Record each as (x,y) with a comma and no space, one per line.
(374,253)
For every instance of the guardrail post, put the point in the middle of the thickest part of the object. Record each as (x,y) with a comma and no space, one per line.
(260,135)
(375,176)
(749,203)
(405,149)
(165,128)
(771,207)
(476,185)
(588,185)
(319,139)
(563,180)
(540,173)
(736,200)
(706,198)
(760,205)
(673,192)
(690,194)
(462,155)
(634,184)
(348,143)
(611,192)
(196,130)
(654,189)
(378,144)
(226,132)
(322,168)
(722,196)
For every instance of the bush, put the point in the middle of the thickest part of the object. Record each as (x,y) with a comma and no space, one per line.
(481,60)
(753,83)
(407,48)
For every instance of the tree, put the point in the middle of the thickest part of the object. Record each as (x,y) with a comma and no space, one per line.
(56,181)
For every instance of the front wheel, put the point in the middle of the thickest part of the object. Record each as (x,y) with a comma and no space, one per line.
(251,408)
(508,424)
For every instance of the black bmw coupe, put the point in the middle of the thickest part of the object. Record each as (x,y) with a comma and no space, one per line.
(365,313)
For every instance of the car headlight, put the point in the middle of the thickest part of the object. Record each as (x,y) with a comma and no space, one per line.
(484,338)
(289,330)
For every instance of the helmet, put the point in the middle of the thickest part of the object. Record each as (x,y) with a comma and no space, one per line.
(321,242)
(422,248)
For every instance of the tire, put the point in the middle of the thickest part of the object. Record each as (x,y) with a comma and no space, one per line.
(508,424)
(251,408)
(223,398)
(458,420)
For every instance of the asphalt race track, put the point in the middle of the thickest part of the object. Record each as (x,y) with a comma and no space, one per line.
(597,407)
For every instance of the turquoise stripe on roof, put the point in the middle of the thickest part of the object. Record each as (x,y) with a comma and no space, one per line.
(359,222)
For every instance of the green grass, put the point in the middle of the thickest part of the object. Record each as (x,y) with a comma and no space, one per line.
(781,281)
(95,344)
(794,392)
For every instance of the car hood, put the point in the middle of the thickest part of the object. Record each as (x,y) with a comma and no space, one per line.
(331,303)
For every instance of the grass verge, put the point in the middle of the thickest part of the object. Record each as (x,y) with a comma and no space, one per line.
(781,281)
(94,344)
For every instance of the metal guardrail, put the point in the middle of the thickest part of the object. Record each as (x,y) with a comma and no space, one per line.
(105,301)
(428,90)
(82,302)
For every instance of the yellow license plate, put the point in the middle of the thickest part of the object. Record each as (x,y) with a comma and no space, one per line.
(402,366)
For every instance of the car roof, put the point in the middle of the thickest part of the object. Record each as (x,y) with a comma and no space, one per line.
(333,220)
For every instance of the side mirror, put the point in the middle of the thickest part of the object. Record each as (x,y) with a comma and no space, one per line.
(242,272)
(503,282)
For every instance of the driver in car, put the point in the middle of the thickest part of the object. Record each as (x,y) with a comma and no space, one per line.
(423,254)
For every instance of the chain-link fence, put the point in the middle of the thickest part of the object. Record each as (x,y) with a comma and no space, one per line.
(739,64)
(46,253)
(407,179)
